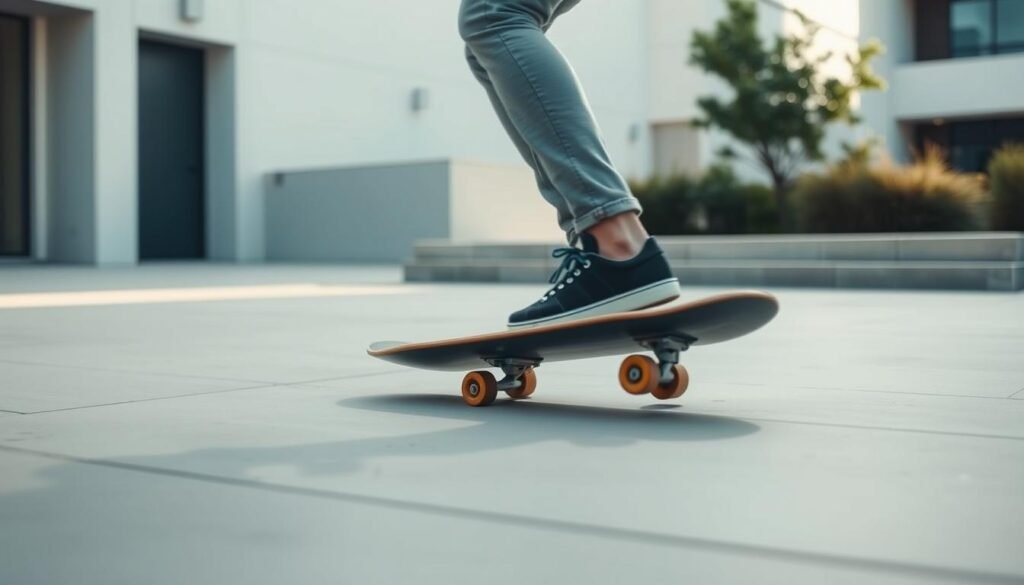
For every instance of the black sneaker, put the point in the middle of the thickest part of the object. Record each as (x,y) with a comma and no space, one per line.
(587,285)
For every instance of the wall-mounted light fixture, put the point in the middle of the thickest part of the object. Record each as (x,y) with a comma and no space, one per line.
(191,10)
(419,99)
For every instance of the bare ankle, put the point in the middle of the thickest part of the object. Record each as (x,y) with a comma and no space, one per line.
(620,237)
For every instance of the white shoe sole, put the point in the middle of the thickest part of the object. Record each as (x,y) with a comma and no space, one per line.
(655,293)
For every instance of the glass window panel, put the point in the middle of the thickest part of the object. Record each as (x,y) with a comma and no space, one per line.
(1010,25)
(978,132)
(970,158)
(971,27)
(1010,130)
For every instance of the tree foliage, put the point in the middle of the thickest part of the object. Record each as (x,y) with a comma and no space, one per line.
(782,103)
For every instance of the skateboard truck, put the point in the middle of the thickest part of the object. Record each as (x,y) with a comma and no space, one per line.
(513,369)
(667,350)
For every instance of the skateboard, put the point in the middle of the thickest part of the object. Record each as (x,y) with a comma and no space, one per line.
(665,330)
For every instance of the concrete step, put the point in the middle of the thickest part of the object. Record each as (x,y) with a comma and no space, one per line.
(962,246)
(947,275)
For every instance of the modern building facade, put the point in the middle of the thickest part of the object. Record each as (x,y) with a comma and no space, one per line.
(136,130)
(956,75)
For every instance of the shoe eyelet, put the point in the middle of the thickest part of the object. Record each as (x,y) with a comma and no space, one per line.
(570,281)
(561,286)
(586,264)
(576,272)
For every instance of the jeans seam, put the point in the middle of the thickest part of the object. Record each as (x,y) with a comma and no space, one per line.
(601,211)
(547,116)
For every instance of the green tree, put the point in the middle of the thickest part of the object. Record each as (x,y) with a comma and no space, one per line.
(781,103)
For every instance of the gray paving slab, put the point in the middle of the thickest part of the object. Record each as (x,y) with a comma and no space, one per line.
(257,341)
(750,475)
(860,437)
(33,388)
(256,532)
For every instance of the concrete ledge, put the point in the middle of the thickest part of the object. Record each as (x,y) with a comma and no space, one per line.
(981,246)
(994,276)
(971,261)
(340,214)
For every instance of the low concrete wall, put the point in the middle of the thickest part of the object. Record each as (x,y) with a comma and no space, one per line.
(377,213)
(355,214)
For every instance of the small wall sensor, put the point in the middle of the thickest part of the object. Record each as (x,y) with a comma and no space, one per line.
(419,99)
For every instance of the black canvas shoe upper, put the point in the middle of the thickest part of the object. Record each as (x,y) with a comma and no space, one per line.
(585,278)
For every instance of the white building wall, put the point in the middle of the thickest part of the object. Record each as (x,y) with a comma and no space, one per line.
(986,86)
(70,136)
(892,21)
(116,139)
(327,83)
(676,85)
(330,86)
(989,86)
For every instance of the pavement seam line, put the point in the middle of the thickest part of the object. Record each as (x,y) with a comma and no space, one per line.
(879,428)
(564,526)
(12,411)
(133,372)
(865,390)
(153,399)
(1014,395)
(344,377)
(207,393)
(205,378)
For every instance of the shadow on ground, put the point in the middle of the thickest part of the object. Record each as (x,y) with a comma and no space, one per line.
(506,424)
(512,423)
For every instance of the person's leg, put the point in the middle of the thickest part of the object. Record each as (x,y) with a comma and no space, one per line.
(539,101)
(537,93)
(547,188)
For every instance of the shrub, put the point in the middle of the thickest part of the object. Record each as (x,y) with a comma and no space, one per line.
(924,196)
(668,204)
(1006,178)
(717,203)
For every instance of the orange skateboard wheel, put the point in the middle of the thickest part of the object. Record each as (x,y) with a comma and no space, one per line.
(638,374)
(675,388)
(529,384)
(479,388)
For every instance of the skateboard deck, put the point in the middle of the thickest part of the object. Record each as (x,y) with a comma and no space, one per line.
(666,330)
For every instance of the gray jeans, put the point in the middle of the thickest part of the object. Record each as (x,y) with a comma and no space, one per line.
(541,105)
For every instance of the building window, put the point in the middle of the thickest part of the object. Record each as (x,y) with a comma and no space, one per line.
(969,144)
(985,27)
(1010,25)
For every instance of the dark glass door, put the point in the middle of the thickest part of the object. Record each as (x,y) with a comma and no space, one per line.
(14,132)
(172,221)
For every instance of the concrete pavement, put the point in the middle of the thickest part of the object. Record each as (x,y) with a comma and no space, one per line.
(236,432)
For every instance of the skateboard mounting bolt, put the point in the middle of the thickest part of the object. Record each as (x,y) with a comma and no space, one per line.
(634,374)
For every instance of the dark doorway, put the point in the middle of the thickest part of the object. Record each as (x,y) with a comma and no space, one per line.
(14,137)
(172,221)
